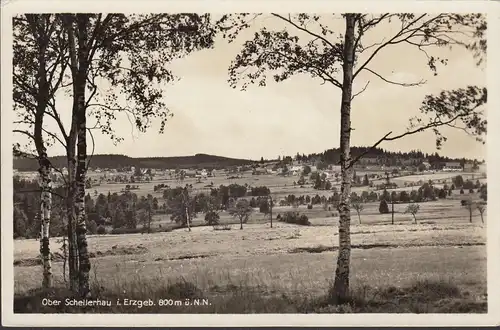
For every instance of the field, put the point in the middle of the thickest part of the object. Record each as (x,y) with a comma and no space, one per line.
(286,268)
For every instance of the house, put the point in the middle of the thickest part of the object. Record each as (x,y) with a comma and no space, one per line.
(427,165)
(296,169)
(482,168)
(190,173)
(468,167)
(452,166)
(368,160)
(259,171)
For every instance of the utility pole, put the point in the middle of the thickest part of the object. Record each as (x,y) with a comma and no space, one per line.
(271,209)
(392,203)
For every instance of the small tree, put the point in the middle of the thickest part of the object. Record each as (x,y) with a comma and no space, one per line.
(483,193)
(383,207)
(211,205)
(366,181)
(481,207)
(469,204)
(358,207)
(413,210)
(264,207)
(242,210)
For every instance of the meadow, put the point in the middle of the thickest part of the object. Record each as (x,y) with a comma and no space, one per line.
(436,265)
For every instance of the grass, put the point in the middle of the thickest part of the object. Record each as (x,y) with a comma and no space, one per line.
(262,279)
(181,296)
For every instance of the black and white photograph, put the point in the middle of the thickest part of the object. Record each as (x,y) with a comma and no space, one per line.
(253,163)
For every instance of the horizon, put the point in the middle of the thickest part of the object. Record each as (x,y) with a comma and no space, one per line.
(275,158)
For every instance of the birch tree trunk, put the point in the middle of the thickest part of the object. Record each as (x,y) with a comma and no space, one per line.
(341,283)
(39,26)
(82,22)
(45,209)
(73,262)
(73,267)
(81,226)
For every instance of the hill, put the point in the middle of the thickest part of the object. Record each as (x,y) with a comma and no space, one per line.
(122,161)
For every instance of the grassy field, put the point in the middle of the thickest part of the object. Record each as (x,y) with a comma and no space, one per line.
(437,265)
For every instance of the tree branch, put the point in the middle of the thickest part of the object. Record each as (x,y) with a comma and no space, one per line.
(379,48)
(361,91)
(352,162)
(436,123)
(31,136)
(421,82)
(305,30)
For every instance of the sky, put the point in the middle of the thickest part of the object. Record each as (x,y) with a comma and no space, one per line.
(297,115)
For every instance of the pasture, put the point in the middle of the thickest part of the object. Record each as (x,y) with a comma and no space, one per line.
(287,264)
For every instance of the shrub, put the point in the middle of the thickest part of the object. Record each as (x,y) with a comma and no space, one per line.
(461,191)
(92,227)
(101,230)
(471,190)
(442,193)
(125,230)
(264,207)
(309,206)
(295,218)
(222,227)
(212,218)
(383,207)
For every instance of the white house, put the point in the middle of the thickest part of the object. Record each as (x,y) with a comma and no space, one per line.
(296,170)
(452,166)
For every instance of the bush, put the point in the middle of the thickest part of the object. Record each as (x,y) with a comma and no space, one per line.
(125,230)
(212,218)
(295,218)
(222,227)
(461,191)
(383,207)
(309,206)
(92,227)
(101,230)
(471,190)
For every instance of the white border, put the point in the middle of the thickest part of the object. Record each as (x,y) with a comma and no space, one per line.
(127,6)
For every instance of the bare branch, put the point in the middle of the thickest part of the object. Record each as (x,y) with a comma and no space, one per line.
(421,82)
(361,91)
(435,123)
(379,48)
(352,162)
(31,136)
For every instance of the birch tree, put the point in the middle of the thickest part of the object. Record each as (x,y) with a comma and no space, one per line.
(107,56)
(129,53)
(38,68)
(309,44)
